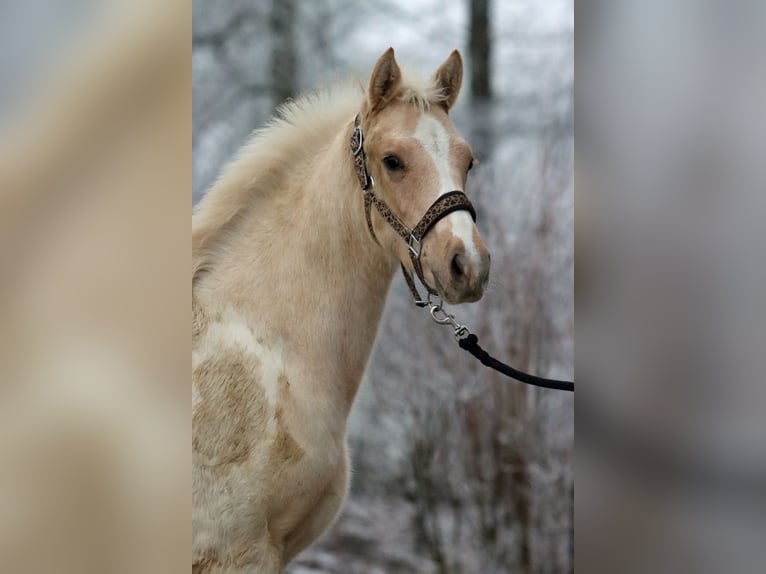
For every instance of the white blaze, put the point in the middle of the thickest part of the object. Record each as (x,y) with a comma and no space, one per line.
(436,141)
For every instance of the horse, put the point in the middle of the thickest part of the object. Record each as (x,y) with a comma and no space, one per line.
(290,271)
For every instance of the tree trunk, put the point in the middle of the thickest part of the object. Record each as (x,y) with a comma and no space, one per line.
(480,54)
(480,50)
(283,57)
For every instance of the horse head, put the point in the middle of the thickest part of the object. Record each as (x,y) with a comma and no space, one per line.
(415,155)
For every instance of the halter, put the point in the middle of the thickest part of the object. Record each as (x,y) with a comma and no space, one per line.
(442,207)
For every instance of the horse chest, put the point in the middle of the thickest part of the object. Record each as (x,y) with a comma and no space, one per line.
(274,502)
(269,471)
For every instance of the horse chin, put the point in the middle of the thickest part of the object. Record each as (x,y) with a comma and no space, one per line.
(452,300)
(458,298)
(452,296)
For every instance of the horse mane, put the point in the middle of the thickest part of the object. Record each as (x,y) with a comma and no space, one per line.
(300,127)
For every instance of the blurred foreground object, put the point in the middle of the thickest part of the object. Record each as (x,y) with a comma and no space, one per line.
(94,180)
(670,177)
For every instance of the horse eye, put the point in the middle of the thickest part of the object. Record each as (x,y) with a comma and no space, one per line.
(470,166)
(392,163)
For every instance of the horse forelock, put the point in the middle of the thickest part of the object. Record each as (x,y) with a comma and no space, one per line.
(422,93)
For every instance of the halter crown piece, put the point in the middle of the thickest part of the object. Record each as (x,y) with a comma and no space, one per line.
(442,207)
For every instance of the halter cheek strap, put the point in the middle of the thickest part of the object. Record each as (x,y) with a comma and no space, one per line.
(442,207)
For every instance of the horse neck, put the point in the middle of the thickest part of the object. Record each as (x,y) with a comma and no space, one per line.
(303,267)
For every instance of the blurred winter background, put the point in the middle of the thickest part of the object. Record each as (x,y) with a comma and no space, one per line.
(456,470)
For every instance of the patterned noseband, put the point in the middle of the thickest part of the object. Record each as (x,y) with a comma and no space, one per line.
(443,206)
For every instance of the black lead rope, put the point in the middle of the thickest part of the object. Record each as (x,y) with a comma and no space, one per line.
(470,343)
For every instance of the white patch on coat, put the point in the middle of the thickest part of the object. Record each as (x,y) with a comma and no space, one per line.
(234,332)
(222,519)
(434,137)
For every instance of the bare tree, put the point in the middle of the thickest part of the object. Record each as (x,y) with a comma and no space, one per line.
(283,50)
(480,49)
(480,54)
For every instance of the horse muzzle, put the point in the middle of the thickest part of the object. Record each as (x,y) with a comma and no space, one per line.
(460,273)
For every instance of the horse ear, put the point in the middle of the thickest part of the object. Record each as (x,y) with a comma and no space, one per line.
(385,81)
(448,78)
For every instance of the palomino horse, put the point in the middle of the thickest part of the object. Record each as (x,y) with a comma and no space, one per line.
(288,288)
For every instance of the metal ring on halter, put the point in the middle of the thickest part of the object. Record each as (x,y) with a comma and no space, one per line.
(430,300)
(358,133)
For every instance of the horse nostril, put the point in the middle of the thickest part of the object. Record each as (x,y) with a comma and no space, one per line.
(457,267)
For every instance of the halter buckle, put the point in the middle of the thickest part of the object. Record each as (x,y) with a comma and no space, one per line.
(411,242)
